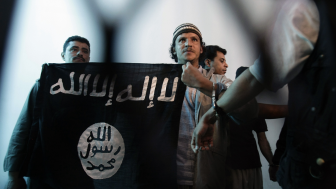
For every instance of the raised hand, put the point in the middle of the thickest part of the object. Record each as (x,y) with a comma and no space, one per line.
(191,76)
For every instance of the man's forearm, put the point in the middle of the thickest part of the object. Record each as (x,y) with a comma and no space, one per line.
(192,77)
(206,87)
(242,90)
(269,111)
(266,150)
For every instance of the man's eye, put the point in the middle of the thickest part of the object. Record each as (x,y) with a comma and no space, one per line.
(195,40)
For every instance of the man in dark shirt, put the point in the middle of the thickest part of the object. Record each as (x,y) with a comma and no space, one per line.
(76,49)
(279,151)
(244,158)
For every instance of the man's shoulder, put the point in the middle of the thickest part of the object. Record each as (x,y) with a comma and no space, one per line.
(36,84)
(34,89)
(222,79)
(259,125)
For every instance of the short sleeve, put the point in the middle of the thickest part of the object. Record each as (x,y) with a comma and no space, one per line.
(259,125)
(291,42)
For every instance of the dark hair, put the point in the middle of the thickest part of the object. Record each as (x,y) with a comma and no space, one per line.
(75,38)
(174,56)
(240,70)
(211,53)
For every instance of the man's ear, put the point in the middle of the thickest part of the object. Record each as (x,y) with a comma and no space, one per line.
(174,52)
(201,49)
(88,60)
(207,62)
(62,54)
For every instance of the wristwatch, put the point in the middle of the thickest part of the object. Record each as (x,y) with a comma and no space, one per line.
(214,104)
(213,97)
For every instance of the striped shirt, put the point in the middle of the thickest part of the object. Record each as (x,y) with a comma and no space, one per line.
(185,156)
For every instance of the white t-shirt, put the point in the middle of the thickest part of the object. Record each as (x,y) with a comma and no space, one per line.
(292,41)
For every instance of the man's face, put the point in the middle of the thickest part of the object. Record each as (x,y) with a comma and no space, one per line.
(188,48)
(219,63)
(76,52)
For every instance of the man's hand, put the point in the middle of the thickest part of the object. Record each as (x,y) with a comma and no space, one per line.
(202,137)
(272,170)
(191,76)
(15,181)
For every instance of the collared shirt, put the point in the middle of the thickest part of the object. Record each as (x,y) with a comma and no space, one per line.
(185,156)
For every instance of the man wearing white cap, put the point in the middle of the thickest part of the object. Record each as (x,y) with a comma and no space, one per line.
(187,48)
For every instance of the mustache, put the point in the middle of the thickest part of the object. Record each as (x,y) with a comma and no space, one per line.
(187,49)
(79,56)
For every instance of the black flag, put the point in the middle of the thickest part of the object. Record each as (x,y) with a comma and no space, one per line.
(107,125)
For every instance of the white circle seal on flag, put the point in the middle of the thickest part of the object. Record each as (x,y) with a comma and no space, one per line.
(101,150)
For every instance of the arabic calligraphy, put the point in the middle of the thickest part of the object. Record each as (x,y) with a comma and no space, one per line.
(163,97)
(129,92)
(100,149)
(71,90)
(109,101)
(91,137)
(58,87)
(152,90)
(94,91)
(94,151)
(101,167)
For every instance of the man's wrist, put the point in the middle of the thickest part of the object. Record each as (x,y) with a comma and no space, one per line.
(219,109)
(205,84)
(211,115)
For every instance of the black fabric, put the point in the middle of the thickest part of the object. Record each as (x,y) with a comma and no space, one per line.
(243,148)
(240,70)
(148,126)
(37,184)
(280,145)
(312,97)
(312,109)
